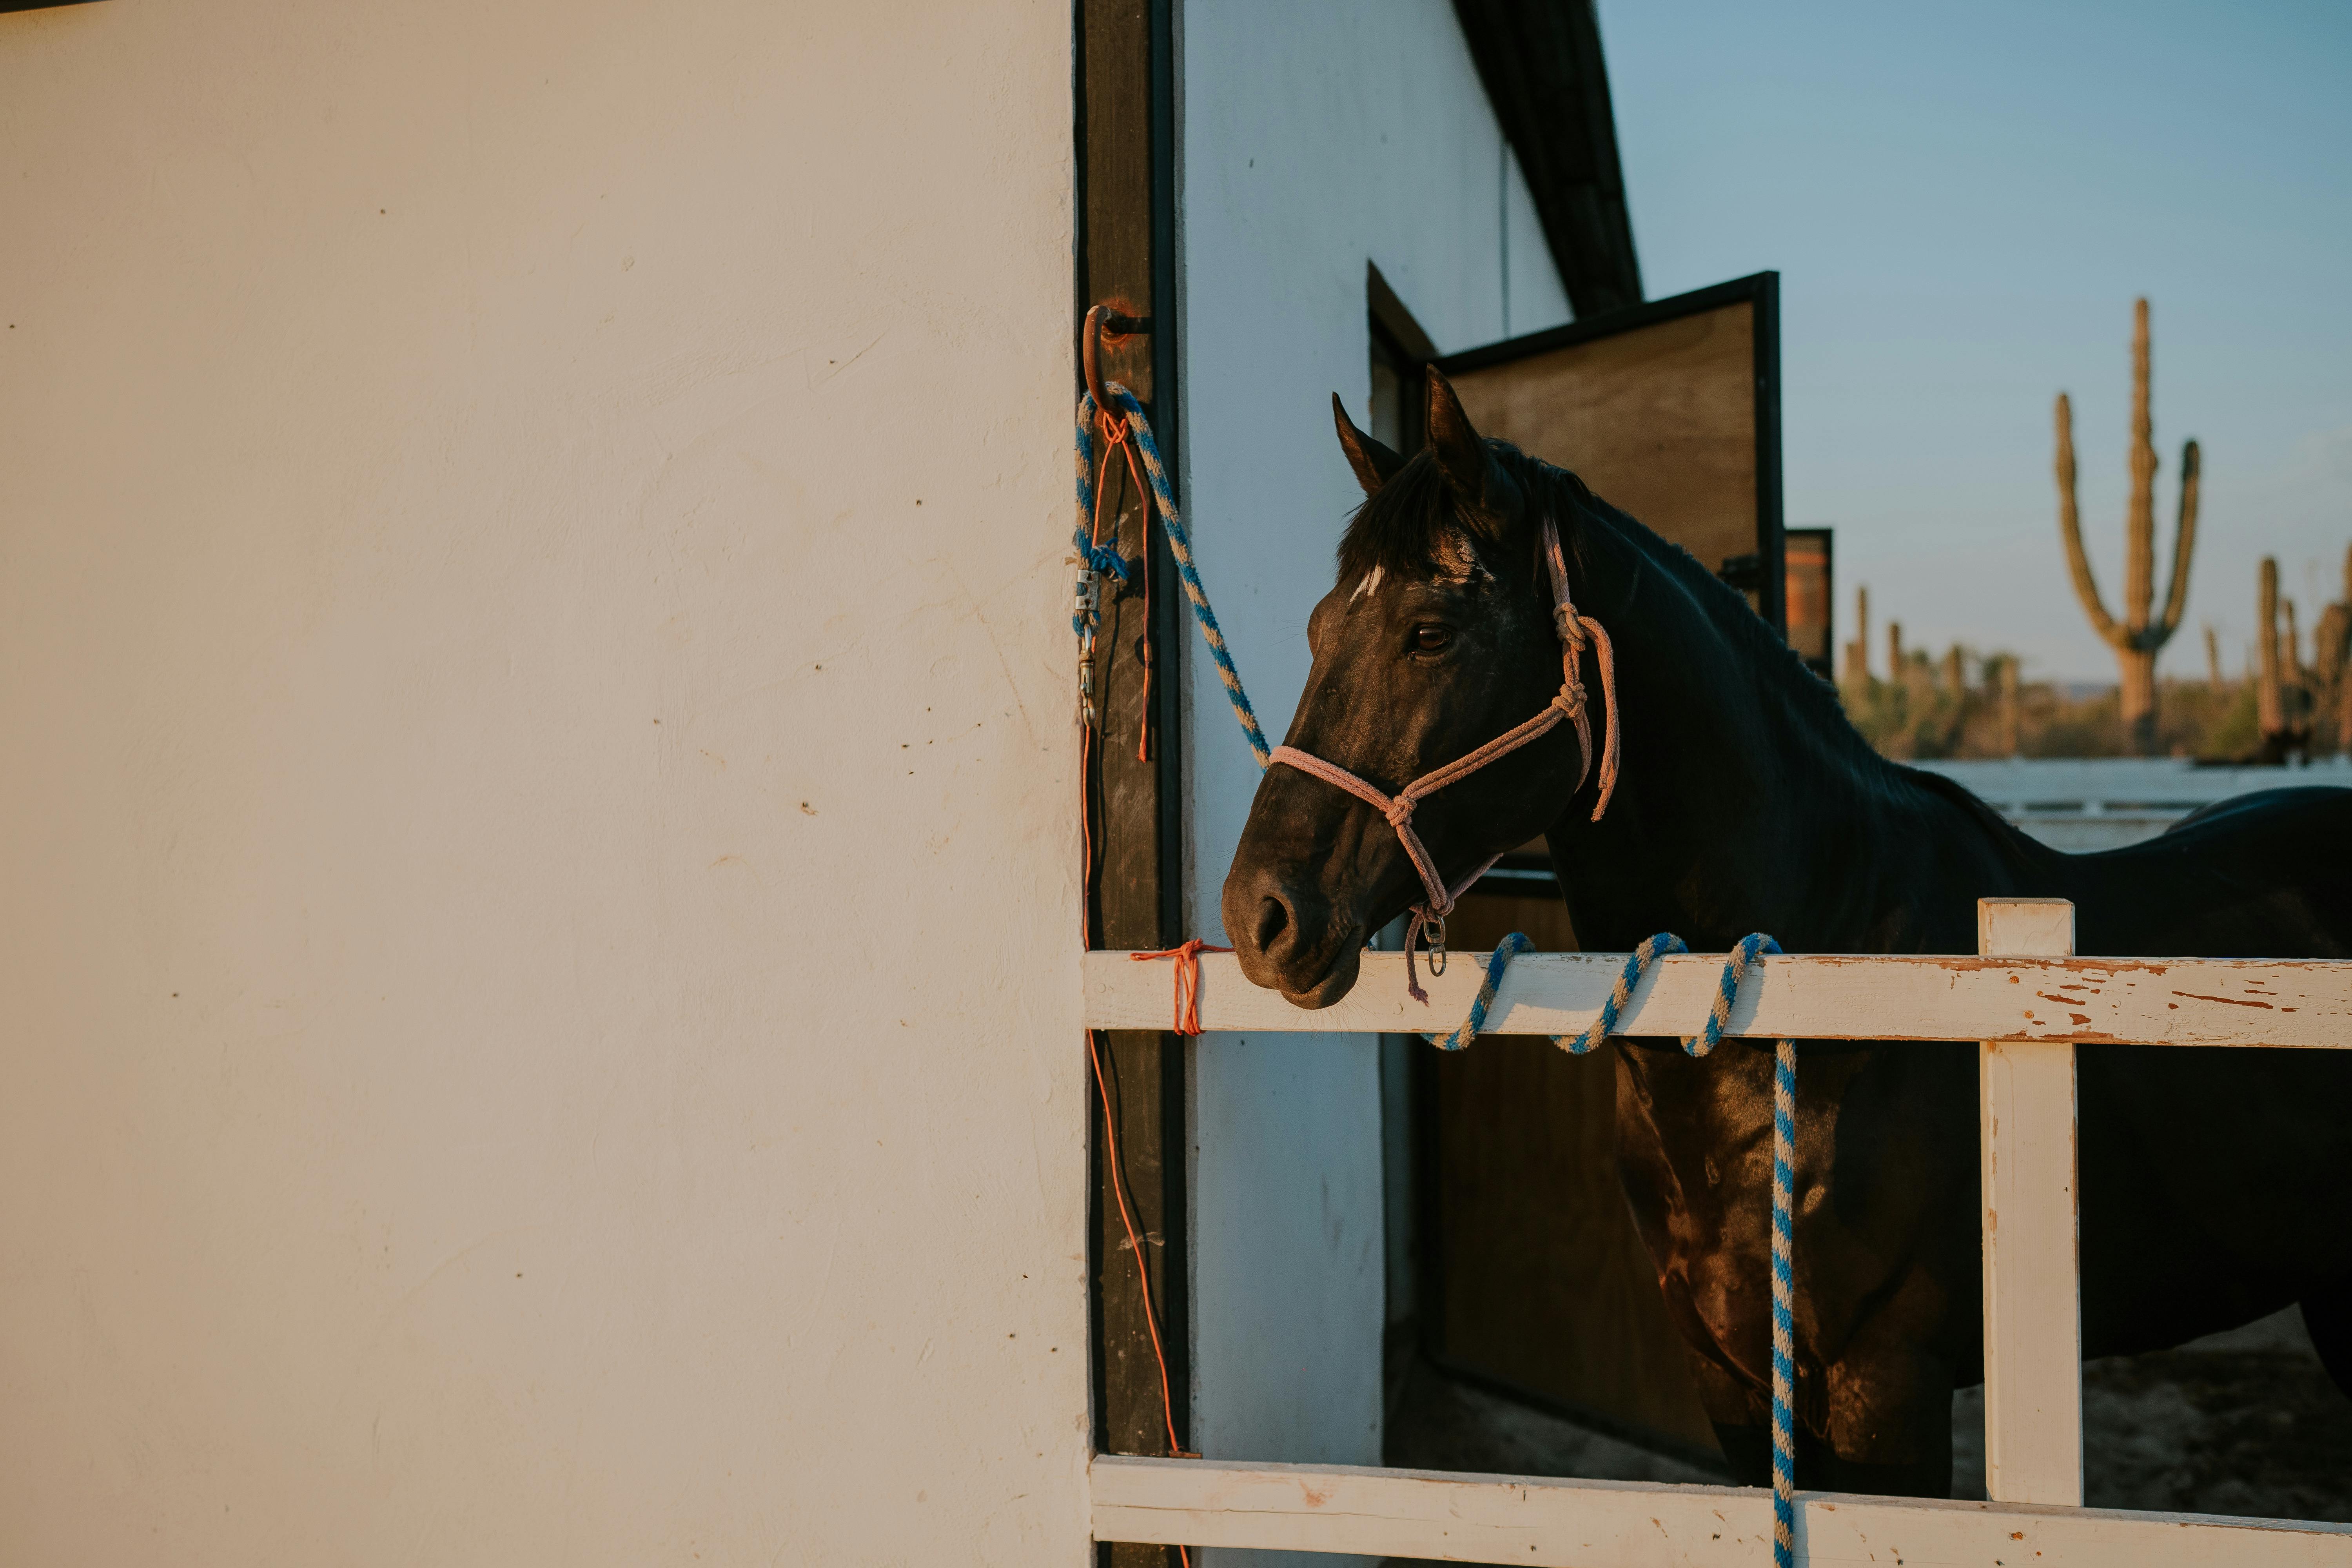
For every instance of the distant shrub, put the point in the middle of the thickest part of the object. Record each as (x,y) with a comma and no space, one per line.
(1956,708)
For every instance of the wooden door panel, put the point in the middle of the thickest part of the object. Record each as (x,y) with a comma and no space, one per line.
(1670,411)
(1545,1284)
(1660,421)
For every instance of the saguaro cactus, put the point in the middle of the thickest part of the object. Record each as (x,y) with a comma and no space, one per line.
(2270,709)
(2136,638)
(2008,705)
(1857,652)
(2331,661)
(2282,705)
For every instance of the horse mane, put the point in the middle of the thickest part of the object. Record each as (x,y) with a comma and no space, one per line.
(1765,650)
(1750,635)
(1403,528)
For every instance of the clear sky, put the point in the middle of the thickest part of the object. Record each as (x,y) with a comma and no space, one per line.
(1962,203)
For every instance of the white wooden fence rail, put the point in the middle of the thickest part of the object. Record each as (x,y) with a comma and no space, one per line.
(2029,1004)
(2163,1002)
(1546,1523)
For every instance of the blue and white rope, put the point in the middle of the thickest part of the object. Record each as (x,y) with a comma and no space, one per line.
(1784,1160)
(1784,1304)
(1180,545)
(1636,963)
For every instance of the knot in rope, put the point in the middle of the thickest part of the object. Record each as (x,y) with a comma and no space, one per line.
(1105,559)
(1399,811)
(1187,955)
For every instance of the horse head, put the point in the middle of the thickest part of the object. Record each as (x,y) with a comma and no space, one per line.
(1437,637)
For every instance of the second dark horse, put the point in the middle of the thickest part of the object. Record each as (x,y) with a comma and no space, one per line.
(2213,1182)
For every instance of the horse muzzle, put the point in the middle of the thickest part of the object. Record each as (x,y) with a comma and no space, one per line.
(1289,939)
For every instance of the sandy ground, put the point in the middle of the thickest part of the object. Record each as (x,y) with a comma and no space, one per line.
(2245,1423)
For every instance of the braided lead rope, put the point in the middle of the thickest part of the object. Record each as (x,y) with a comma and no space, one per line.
(1784,1162)
(1784,1304)
(1620,996)
(1784,1247)
(1180,545)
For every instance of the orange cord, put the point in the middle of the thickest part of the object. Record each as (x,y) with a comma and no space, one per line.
(1187,955)
(1152,1322)
(1114,435)
(1116,431)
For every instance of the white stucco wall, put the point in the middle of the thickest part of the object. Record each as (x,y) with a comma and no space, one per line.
(1316,136)
(543,1013)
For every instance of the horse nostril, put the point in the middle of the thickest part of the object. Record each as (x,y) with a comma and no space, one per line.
(1273,919)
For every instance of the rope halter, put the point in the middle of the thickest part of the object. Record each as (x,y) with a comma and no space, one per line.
(1574,631)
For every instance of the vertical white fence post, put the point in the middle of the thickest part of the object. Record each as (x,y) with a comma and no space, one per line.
(2033,1302)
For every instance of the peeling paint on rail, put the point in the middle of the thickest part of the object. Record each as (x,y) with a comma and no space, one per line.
(2229,1001)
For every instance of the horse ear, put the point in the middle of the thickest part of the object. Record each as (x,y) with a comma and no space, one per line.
(1460,451)
(1374,463)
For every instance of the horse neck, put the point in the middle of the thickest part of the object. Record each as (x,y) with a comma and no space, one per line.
(1732,784)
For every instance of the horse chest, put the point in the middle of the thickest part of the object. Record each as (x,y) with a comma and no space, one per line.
(1885,1182)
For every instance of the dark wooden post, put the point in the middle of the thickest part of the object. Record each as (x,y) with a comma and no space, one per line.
(1126,164)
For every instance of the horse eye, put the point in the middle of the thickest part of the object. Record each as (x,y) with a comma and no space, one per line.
(1431,639)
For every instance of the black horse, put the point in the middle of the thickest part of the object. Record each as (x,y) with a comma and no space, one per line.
(2216,1185)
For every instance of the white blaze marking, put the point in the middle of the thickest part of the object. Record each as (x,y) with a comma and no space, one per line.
(1458,563)
(1370,584)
